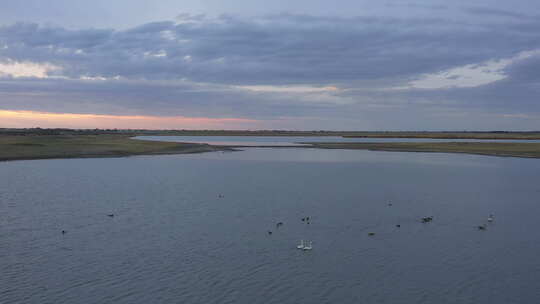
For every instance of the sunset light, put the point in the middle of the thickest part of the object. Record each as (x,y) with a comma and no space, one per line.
(20,119)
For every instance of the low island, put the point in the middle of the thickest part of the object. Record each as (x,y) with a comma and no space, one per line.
(509,149)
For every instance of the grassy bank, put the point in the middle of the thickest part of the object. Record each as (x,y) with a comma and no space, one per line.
(83,146)
(520,149)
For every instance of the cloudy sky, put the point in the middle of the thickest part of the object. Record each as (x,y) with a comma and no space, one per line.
(256,64)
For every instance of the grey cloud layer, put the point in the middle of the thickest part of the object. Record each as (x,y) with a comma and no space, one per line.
(284,49)
(199,58)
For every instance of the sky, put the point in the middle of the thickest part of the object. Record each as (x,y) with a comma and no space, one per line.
(295,65)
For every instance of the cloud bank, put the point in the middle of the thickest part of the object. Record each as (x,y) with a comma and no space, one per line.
(286,70)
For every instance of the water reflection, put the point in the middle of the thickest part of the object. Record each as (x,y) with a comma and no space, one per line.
(357,156)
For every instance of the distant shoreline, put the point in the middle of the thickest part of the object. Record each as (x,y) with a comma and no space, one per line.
(520,150)
(523,135)
(500,149)
(32,147)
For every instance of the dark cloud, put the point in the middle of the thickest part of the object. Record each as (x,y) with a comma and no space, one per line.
(495,12)
(193,67)
(281,49)
(416,5)
(526,71)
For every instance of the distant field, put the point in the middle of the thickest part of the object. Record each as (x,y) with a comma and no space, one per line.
(79,146)
(483,148)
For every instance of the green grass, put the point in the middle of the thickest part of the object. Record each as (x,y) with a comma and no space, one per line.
(76,146)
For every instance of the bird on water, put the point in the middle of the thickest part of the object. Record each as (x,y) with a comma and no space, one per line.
(427,219)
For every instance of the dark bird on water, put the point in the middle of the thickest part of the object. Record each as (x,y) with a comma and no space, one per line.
(427,219)
(482,227)
(269,232)
(371,233)
(64,232)
(110,215)
(398,225)
(279,224)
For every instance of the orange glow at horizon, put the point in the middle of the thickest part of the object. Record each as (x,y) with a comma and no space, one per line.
(29,119)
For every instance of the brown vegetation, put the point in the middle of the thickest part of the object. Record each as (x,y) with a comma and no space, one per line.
(515,149)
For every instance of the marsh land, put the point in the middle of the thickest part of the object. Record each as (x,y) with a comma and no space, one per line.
(19,144)
(512,149)
(16,147)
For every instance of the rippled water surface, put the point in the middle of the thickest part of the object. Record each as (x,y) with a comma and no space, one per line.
(173,239)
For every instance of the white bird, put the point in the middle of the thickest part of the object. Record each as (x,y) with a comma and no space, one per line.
(301,246)
(309,247)
(490,218)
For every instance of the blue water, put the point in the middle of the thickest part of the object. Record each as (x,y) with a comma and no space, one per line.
(173,239)
(297,140)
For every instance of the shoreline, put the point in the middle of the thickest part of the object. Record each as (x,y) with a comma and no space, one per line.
(119,155)
(496,149)
(35,147)
(510,149)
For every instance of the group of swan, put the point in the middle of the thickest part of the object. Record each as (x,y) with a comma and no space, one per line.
(303,246)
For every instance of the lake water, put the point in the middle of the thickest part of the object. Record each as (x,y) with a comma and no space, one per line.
(173,239)
(297,140)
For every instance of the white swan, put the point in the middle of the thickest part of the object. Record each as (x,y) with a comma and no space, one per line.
(490,218)
(301,246)
(308,247)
